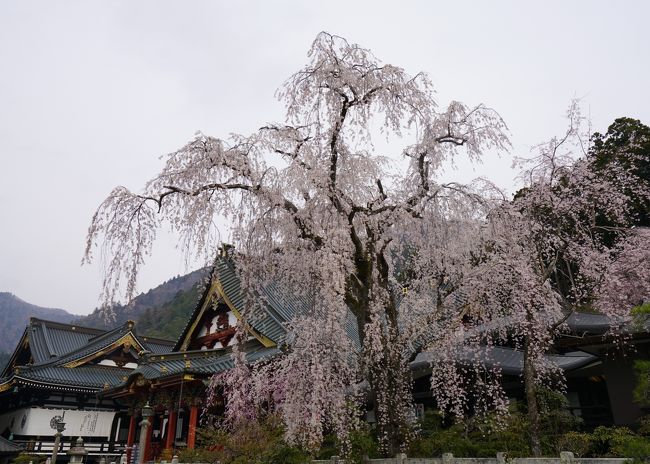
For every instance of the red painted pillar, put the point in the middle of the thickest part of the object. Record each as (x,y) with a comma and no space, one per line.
(130,438)
(147,444)
(171,430)
(191,433)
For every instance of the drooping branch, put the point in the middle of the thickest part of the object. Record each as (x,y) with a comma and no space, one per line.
(310,207)
(170,190)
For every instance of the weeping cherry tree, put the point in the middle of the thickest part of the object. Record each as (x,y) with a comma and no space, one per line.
(310,203)
(566,243)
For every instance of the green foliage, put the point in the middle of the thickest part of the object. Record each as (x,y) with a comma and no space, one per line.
(642,310)
(607,441)
(284,454)
(329,447)
(577,442)
(626,143)
(167,321)
(472,437)
(637,448)
(642,388)
(262,443)
(486,436)
(362,442)
(160,312)
(641,316)
(198,455)
(644,426)
(556,420)
(253,443)
(25,458)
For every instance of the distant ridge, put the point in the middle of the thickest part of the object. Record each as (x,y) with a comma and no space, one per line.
(148,309)
(15,314)
(160,312)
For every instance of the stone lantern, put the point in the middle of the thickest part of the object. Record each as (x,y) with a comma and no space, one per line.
(57,424)
(78,452)
(147,412)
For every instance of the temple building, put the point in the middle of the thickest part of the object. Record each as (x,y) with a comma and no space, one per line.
(57,370)
(99,382)
(599,372)
(174,383)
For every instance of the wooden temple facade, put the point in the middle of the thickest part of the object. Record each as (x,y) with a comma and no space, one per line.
(174,383)
(57,371)
(98,381)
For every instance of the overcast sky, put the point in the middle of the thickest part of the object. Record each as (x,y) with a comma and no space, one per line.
(92,93)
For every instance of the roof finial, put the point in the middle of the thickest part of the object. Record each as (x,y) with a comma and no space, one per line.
(224,250)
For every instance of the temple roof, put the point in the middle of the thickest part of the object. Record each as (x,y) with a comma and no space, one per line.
(509,360)
(169,368)
(269,320)
(69,357)
(48,340)
(83,378)
(197,362)
(9,447)
(66,356)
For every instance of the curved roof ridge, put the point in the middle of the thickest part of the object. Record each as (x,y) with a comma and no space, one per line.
(94,345)
(127,324)
(205,294)
(48,341)
(64,325)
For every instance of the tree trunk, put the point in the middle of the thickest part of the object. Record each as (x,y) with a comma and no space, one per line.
(531,399)
(391,393)
(388,376)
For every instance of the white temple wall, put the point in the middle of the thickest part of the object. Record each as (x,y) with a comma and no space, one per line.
(36,422)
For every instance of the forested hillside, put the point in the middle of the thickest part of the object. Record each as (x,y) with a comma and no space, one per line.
(168,320)
(160,312)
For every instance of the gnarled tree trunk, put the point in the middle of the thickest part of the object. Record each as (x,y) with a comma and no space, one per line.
(531,399)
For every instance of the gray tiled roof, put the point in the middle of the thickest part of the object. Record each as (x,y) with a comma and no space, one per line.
(53,345)
(9,447)
(266,319)
(49,340)
(53,341)
(589,323)
(90,377)
(271,317)
(200,362)
(157,346)
(510,361)
(96,344)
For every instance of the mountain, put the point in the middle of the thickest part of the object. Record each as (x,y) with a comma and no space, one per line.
(160,312)
(169,320)
(14,317)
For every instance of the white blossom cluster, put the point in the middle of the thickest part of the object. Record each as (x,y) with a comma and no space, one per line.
(419,264)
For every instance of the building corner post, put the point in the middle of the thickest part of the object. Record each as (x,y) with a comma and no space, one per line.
(191,433)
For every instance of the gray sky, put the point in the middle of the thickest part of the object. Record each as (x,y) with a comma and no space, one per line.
(92,93)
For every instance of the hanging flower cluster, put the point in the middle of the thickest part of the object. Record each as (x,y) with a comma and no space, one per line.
(386,259)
